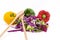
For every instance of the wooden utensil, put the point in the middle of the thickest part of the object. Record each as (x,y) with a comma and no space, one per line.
(19,14)
(24,28)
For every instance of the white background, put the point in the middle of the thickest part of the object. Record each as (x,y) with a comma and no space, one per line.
(53,6)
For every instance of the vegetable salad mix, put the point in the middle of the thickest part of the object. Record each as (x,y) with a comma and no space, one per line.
(33,23)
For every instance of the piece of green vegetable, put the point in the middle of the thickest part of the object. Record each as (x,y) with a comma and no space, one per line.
(29,12)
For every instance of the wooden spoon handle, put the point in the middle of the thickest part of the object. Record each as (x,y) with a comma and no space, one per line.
(24,28)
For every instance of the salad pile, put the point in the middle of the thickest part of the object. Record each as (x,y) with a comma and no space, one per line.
(33,23)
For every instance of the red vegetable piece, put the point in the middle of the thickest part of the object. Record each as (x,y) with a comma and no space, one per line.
(44,28)
(44,15)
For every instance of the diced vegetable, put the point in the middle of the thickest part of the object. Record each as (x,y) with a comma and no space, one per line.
(30,28)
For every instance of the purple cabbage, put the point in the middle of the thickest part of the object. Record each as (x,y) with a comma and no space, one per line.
(16,30)
(44,28)
(18,25)
(29,19)
(31,24)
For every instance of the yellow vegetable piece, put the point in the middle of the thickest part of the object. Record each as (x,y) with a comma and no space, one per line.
(9,16)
